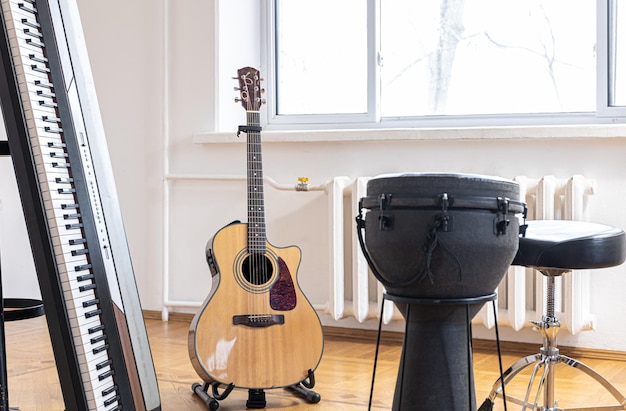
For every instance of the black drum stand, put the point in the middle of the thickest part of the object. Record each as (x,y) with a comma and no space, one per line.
(422,377)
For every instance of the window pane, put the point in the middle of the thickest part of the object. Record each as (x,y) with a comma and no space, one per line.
(618,92)
(321,57)
(463,57)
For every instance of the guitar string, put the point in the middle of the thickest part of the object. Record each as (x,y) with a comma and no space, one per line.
(258,264)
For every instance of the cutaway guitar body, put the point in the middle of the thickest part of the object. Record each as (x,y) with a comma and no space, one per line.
(256,329)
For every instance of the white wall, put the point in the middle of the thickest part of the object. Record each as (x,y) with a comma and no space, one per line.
(159,91)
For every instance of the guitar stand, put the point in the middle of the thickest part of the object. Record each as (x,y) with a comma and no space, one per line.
(256,396)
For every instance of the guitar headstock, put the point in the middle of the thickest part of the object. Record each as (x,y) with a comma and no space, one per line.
(249,89)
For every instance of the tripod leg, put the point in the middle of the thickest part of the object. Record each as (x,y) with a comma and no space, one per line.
(309,395)
(512,371)
(201,391)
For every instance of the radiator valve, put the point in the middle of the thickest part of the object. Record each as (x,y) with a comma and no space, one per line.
(303,184)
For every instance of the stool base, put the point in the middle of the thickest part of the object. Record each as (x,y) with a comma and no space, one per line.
(546,361)
(539,361)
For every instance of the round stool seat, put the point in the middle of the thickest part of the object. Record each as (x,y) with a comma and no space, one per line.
(568,245)
(16,309)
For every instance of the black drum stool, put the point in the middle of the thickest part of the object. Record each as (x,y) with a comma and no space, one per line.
(555,248)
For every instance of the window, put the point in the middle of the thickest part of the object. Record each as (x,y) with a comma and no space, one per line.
(617,53)
(473,62)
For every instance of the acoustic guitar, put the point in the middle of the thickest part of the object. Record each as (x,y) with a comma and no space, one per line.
(256,329)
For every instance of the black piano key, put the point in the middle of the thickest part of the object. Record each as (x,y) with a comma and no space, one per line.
(85,277)
(82,267)
(42,93)
(33,42)
(70,216)
(61,165)
(77,241)
(106,375)
(98,350)
(31,23)
(87,287)
(112,401)
(82,251)
(40,69)
(61,180)
(95,329)
(42,83)
(56,130)
(56,145)
(90,302)
(38,59)
(49,119)
(30,32)
(76,226)
(69,206)
(48,104)
(30,9)
(104,364)
(93,313)
(109,390)
(66,190)
(98,339)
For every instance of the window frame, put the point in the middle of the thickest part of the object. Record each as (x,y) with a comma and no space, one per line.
(606,22)
(604,113)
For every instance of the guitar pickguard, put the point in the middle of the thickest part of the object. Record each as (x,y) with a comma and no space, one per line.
(283,293)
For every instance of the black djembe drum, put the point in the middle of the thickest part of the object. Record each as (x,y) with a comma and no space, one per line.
(432,239)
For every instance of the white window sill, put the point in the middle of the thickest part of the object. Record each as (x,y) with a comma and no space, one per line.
(403,134)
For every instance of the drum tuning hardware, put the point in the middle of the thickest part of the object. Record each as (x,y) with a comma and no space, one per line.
(502,221)
(444,219)
(385,221)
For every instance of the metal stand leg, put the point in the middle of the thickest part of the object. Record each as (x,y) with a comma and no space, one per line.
(462,322)
(547,360)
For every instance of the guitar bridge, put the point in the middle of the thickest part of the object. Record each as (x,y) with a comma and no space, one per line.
(258,320)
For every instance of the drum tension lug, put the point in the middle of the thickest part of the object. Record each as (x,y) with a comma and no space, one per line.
(444,219)
(502,221)
(385,221)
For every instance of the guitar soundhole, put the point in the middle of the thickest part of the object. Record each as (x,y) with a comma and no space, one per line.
(257,269)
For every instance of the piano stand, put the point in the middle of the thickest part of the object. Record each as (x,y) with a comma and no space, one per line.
(256,396)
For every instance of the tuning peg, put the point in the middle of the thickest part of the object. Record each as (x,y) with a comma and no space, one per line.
(238,100)
(235,78)
(262,91)
(237,88)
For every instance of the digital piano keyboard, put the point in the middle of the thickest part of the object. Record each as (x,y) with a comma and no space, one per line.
(57,144)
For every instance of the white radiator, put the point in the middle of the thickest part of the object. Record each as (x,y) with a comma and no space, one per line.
(521,295)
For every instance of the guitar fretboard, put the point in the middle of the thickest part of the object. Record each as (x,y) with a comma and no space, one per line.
(256,207)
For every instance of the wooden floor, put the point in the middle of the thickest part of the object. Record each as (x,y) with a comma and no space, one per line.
(343,377)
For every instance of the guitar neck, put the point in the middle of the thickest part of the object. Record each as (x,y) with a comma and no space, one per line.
(256,205)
